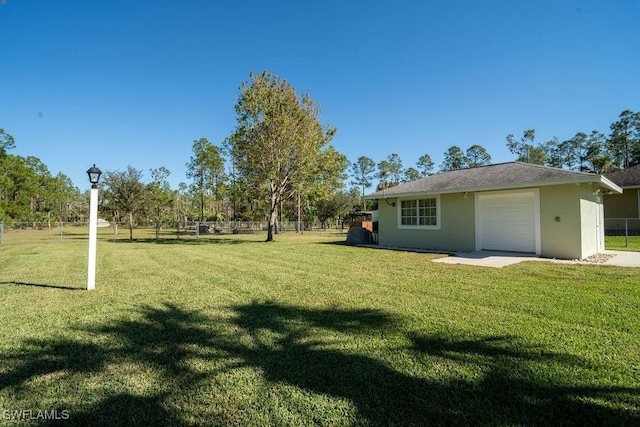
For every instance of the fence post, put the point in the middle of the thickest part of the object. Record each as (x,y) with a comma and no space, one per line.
(61,228)
(197,229)
(1,232)
(626,232)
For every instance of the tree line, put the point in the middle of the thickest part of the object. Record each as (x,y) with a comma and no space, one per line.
(277,165)
(594,152)
(29,192)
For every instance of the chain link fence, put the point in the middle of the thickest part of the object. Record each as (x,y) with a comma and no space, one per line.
(64,231)
(626,228)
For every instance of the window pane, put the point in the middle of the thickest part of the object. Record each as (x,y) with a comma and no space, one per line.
(419,212)
(428,211)
(408,212)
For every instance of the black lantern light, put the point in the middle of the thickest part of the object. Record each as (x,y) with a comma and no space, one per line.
(94,176)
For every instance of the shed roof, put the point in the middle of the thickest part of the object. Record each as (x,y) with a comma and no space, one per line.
(494,177)
(629,177)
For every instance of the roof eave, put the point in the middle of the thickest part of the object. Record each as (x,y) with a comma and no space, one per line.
(610,185)
(597,179)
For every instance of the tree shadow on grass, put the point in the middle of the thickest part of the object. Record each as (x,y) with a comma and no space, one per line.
(334,243)
(507,393)
(517,387)
(42,285)
(162,340)
(189,241)
(306,348)
(37,358)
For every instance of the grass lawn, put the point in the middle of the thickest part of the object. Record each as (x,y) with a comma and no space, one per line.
(308,331)
(619,243)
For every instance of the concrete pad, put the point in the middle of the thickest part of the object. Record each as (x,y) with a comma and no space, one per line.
(487,258)
(623,259)
(498,259)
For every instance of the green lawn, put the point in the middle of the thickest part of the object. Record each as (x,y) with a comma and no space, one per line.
(308,331)
(620,243)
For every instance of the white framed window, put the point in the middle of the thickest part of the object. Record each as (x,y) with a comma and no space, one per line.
(422,212)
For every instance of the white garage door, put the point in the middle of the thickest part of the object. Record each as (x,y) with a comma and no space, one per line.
(508,222)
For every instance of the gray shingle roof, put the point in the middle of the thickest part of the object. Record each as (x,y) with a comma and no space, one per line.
(493,177)
(628,177)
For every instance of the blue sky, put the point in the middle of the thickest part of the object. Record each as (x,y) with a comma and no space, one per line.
(135,82)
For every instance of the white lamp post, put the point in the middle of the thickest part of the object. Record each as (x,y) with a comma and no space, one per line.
(94,176)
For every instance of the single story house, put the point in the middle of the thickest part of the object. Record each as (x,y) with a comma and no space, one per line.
(626,205)
(510,206)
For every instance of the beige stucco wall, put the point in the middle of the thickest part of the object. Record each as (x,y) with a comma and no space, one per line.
(576,234)
(592,232)
(623,205)
(457,229)
(572,235)
(560,238)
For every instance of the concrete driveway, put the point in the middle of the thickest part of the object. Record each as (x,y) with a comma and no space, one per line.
(501,259)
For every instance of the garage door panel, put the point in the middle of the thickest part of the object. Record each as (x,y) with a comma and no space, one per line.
(521,240)
(507,222)
(521,215)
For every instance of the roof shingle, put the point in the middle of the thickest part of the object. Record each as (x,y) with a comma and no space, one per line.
(508,175)
(626,177)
